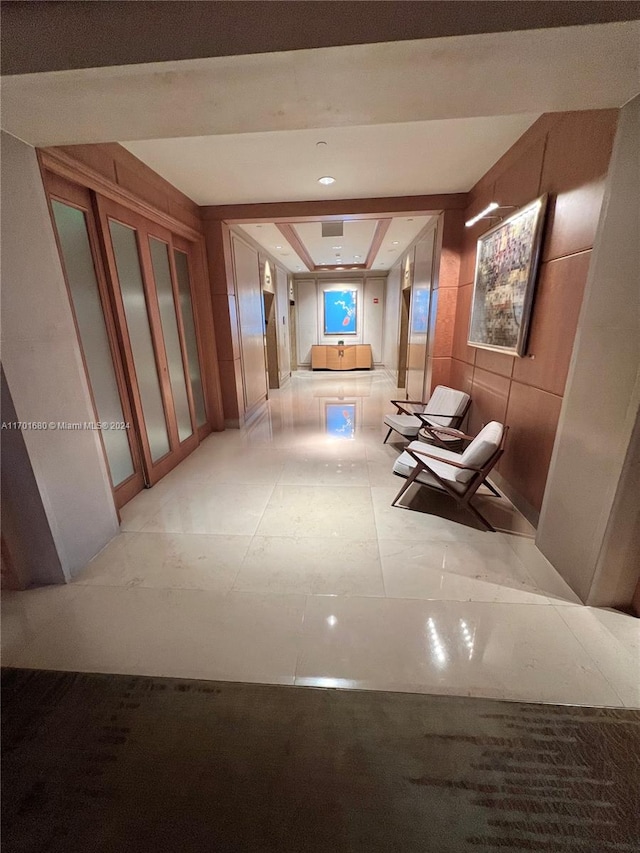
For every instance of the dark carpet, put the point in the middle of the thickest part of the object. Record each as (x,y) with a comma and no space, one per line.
(129,764)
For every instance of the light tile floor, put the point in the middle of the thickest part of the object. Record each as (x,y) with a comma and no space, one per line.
(272,554)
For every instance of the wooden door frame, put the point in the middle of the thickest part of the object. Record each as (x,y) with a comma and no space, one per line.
(168,240)
(108,209)
(191,250)
(59,162)
(60,189)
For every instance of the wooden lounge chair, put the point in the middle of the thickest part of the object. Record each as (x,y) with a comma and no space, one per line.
(458,474)
(446,408)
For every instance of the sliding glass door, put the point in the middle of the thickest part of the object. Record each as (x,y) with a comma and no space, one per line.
(149,308)
(183,264)
(130,283)
(78,245)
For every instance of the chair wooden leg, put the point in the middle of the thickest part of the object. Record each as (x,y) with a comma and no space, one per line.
(408,482)
(476,512)
(387,435)
(492,488)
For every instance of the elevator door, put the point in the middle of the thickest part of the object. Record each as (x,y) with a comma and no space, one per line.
(147,301)
(419,318)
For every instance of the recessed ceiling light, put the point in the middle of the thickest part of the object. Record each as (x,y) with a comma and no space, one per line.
(278,247)
(395,242)
(320,144)
(336,247)
(356,256)
(326,180)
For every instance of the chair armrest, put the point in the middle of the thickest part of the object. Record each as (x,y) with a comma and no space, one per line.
(446,430)
(401,405)
(416,453)
(441,415)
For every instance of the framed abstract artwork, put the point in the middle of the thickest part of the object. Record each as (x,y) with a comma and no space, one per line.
(506,268)
(340,312)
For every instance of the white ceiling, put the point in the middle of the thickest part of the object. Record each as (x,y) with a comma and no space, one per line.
(356,240)
(411,158)
(351,248)
(492,74)
(399,118)
(270,237)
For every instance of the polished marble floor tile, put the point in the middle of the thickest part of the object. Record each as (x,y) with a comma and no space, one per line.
(169,561)
(612,639)
(222,508)
(135,514)
(26,613)
(273,553)
(187,633)
(324,470)
(466,648)
(456,571)
(417,522)
(337,512)
(380,474)
(314,566)
(541,570)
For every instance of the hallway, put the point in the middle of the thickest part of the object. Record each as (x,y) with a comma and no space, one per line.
(272,555)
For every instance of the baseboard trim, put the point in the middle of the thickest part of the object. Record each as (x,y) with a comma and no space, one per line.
(523,506)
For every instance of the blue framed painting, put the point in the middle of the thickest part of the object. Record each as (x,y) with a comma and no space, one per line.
(341,420)
(340,312)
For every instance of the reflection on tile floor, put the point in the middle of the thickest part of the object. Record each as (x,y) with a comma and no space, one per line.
(273,554)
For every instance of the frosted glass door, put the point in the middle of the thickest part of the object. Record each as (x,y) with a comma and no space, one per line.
(166,303)
(191,342)
(78,262)
(125,249)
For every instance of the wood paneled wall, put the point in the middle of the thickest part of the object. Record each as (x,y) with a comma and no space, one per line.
(566,155)
(121,167)
(114,172)
(444,297)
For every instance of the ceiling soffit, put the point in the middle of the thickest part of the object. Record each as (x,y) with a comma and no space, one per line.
(423,80)
(366,243)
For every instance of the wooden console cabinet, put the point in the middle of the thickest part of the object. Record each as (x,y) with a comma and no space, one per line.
(346,357)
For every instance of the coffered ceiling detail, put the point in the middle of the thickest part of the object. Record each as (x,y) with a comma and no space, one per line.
(366,244)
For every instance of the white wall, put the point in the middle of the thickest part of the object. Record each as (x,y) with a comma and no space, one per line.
(44,370)
(310,313)
(306,318)
(391,327)
(602,396)
(282,317)
(373,315)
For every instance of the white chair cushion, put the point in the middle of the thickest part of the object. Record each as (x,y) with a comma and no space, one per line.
(407,425)
(433,450)
(445,400)
(481,449)
(405,464)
